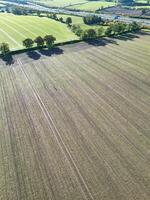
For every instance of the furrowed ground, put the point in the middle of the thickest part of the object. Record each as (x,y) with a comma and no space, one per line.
(14,29)
(77,125)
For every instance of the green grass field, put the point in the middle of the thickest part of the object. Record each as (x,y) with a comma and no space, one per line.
(61,3)
(141,1)
(92,6)
(85,4)
(76,20)
(79,21)
(140,7)
(14,29)
(78,4)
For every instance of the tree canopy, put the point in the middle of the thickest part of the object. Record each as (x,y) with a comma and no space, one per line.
(39,41)
(49,39)
(92,19)
(89,34)
(28,43)
(4,48)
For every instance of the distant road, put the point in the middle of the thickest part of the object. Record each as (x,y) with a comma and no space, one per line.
(78,13)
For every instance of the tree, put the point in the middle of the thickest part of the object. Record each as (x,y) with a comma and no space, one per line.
(68,21)
(39,41)
(143,11)
(118,27)
(4,48)
(92,19)
(123,27)
(76,29)
(100,31)
(38,13)
(49,39)
(108,31)
(61,19)
(135,26)
(79,31)
(7,9)
(53,16)
(28,43)
(89,34)
(16,11)
(129,27)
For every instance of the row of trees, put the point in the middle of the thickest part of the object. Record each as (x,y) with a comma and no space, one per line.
(120,27)
(114,29)
(19,10)
(40,42)
(48,40)
(68,20)
(92,19)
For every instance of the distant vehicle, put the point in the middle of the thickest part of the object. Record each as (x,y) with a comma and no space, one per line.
(116,17)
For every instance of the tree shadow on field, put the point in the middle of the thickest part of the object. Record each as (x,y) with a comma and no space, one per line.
(101,42)
(113,39)
(126,37)
(143,32)
(50,52)
(34,55)
(8,59)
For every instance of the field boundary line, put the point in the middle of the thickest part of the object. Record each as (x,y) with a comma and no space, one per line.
(45,24)
(58,137)
(10,37)
(13,29)
(36,27)
(20,26)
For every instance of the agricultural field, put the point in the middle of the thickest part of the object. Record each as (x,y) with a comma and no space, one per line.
(141,7)
(77,4)
(60,3)
(76,125)
(14,29)
(141,1)
(79,21)
(85,5)
(92,6)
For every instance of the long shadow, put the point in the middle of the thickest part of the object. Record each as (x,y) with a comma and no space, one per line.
(8,59)
(47,52)
(33,55)
(101,42)
(112,39)
(126,36)
(143,33)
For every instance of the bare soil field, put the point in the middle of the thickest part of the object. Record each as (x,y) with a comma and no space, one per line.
(76,126)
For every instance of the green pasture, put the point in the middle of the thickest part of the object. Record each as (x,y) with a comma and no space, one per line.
(61,3)
(79,21)
(77,4)
(93,5)
(14,29)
